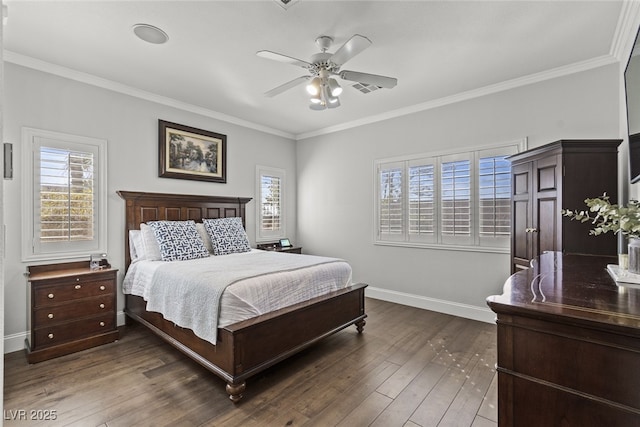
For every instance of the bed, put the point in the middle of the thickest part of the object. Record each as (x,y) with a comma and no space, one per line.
(247,347)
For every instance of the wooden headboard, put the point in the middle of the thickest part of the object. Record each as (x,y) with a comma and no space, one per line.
(142,207)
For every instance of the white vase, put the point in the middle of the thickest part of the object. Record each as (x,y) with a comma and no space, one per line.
(634,255)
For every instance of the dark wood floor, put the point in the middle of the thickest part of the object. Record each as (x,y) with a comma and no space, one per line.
(410,367)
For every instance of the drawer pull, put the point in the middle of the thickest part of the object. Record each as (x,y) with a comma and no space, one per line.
(101,323)
(50,296)
(101,305)
(78,286)
(50,315)
(102,288)
(50,336)
(77,279)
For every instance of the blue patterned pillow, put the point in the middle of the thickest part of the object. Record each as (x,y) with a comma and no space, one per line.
(178,240)
(227,235)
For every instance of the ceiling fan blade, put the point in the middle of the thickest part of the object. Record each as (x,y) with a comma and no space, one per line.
(371,79)
(351,48)
(267,54)
(278,90)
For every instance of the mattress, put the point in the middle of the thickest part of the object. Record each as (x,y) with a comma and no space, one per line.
(251,284)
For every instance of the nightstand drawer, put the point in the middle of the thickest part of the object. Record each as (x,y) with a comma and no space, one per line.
(68,331)
(45,316)
(49,295)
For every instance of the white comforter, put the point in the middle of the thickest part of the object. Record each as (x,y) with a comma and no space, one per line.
(208,293)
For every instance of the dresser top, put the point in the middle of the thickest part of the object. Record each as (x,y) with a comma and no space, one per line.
(52,271)
(571,287)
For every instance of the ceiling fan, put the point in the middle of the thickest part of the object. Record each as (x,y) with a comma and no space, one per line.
(322,87)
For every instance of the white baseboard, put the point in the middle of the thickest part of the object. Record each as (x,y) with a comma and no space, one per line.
(15,342)
(467,311)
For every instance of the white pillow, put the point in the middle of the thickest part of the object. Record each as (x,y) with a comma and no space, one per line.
(151,248)
(136,250)
(202,231)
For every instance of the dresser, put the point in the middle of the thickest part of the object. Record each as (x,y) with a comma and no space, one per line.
(72,308)
(568,345)
(556,176)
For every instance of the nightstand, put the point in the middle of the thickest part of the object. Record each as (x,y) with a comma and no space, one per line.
(291,249)
(72,308)
(275,247)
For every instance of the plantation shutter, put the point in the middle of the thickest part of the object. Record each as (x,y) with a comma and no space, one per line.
(65,199)
(494,196)
(270,223)
(391,202)
(271,203)
(456,206)
(422,199)
(494,201)
(451,200)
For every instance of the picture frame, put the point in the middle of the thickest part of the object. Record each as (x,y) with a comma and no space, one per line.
(189,153)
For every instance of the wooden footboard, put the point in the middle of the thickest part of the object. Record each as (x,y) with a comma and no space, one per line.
(245,348)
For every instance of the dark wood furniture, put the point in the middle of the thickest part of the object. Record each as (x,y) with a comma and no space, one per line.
(72,308)
(245,348)
(275,246)
(557,176)
(568,345)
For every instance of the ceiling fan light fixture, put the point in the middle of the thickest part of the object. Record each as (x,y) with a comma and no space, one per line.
(317,107)
(334,88)
(314,86)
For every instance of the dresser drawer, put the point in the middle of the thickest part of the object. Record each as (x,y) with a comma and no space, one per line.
(56,334)
(60,293)
(96,306)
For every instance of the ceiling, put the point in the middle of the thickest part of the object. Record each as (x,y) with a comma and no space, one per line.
(440,51)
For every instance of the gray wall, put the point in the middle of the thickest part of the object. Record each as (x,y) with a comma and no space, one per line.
(45,101)
(331,181)
(336,183)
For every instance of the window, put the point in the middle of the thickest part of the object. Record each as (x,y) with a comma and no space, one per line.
(270,189)
(66,200)
(454,200)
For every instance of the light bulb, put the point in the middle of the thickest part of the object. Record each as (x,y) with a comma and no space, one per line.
(334,88)
(314,86)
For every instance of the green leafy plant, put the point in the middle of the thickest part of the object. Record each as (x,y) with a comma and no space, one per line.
(609,217)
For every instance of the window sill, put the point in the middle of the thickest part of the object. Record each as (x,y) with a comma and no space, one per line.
(463,248)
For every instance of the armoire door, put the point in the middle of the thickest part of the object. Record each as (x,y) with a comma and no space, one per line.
(545,230)
(521,211)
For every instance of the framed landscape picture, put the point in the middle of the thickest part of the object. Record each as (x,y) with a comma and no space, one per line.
(190,153)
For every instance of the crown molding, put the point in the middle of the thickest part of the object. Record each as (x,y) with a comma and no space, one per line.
(47,67)
(468,95)
(30,62)
(625,33)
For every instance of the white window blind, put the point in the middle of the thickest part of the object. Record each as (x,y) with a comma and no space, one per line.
(270,200)
(66,175)
(270,188)
(421,198)
(495,196)
(66,193)
(455,198)
(391,202)
(446,199)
